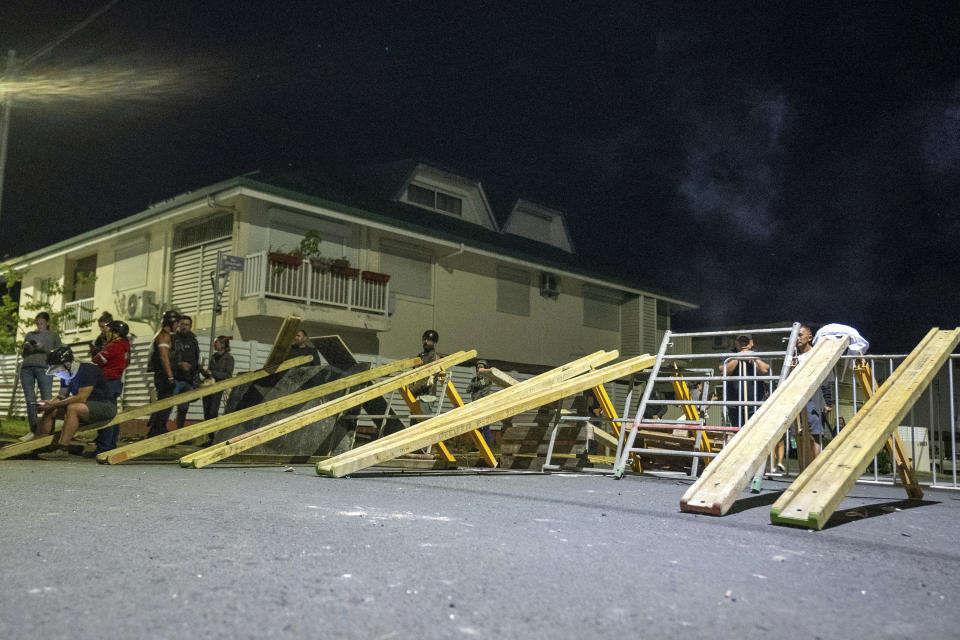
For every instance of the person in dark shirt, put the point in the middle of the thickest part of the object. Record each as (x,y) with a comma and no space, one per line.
(84,398)
(303,347)
(185,357)
(425,391)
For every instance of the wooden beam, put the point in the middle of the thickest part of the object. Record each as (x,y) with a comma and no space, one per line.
(546,379)
(521,397)
(309,416)
(733,468)
(816,493)
(499,377)
(20,448)
(894,446)
(485,454)
(413,405)
(170,438)
(284,339)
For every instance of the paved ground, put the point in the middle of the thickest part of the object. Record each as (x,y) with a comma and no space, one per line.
(155,551)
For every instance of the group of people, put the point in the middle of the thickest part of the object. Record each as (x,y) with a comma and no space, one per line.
(809,428)
(88,390)
(175,363)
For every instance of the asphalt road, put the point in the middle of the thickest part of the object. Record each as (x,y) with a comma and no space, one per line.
(150,550)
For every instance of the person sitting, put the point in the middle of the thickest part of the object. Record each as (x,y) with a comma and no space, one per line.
(113,358)
(303,347)
(84,398)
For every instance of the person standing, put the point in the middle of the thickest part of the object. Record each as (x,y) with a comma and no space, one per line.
(162,367)
(221,368)
(33,371)
(814,413)
(481,387)
(743,365)
(97,345)
(186,361)
(113,358)
(424,391)
(303,347)
(84,399)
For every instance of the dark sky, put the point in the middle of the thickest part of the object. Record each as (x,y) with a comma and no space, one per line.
(769,161)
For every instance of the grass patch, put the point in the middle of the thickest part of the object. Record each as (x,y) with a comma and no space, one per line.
(14,426)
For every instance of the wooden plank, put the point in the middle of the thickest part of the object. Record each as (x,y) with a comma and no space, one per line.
(149,445)
(894,446)
(546,379)
(523,397)
(284,339)
(723,480)
(309,416)
(413,405)
(485,454)
(816,493)
(20,448)
(499,377)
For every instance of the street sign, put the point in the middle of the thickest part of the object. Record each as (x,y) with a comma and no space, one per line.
(231,263)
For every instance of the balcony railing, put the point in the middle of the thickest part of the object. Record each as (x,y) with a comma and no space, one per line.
(78,315)
(348,289)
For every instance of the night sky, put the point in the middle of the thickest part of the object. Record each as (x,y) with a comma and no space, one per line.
(769,161)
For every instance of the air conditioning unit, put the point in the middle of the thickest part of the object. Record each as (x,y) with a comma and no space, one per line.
(548,286)
(140,306)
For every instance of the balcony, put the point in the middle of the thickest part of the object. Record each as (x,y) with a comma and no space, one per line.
(77,315)
(303,283)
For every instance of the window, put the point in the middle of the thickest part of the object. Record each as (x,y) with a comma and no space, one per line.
(601,308)
(195,247)
(434,199)
(84,277)
(410,268)
(513,291)
(130,266)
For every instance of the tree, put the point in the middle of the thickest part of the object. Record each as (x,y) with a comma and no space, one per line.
(16,314)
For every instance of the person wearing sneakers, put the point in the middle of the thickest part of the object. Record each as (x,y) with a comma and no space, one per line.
(113,358)
(84,398)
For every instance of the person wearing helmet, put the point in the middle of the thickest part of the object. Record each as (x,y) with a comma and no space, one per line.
(481,387)
(162,367)
(113,358)
(84,398)
(425,390)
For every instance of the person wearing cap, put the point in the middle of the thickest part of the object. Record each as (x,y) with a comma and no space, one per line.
(84,398)
(33,370)
(112,358)
(481,387)
(162,368)
(425,390)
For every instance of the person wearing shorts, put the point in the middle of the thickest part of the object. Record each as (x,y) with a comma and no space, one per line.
(85,398)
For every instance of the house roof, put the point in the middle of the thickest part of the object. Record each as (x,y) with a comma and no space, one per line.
(353,196)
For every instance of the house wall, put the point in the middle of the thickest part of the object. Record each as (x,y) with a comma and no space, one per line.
(460,303)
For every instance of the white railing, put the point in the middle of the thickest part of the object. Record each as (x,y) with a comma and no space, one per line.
(350,289)
(79,314)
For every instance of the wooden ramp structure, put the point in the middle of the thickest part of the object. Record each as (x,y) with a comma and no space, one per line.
(548,387)
(170,438)
(303,418)
(816,493)
(893,444)
(734,467)
(20,448)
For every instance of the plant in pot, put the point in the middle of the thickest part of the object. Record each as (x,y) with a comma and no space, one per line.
(342,267)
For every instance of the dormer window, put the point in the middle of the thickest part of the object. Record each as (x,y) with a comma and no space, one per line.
(434,200)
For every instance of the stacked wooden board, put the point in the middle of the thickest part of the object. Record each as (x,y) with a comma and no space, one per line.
(730,472)
(535,392)
(816,493)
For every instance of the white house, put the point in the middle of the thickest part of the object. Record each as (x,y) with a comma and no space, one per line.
(508,283)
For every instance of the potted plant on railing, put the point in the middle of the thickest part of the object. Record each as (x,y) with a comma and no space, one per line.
(282,260)
(373,276)
(341,267)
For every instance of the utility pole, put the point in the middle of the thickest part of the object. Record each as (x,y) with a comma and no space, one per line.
(6,104)
(218,287)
